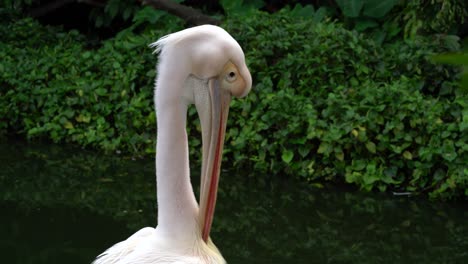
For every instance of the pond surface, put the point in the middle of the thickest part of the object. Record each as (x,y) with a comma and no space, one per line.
(65,205)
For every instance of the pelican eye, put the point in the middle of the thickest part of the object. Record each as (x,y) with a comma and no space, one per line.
(231,76)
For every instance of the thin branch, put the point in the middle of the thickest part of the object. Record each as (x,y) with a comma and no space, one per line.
(191,15)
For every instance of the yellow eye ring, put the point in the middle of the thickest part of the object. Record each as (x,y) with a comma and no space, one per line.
(231,77)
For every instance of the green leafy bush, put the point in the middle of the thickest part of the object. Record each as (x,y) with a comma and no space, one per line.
(306,54)
(53,87)
(328,104)
(386,20)
(432,16)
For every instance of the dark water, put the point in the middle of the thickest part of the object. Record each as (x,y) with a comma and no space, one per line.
(64,205)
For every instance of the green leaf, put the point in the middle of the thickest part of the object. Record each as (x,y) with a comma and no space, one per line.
(323,148)
(320,14)
(350,8)
(127,13)
(148,14)
(306,11)
(378,8)
(353,177)
(369,179)
(101,91)
(304,150)
(365,23)
(86,55)
(358,164)
(68,125)
(370,146)
(407,155)
(379,36)
(83,118)
(339,155)
(449,152)
(453,58)
(240,7)
(287,156)
(112,8)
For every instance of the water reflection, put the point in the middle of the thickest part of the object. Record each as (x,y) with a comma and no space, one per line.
(62,203)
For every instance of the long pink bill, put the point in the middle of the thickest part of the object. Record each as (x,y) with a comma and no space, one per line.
(213,141)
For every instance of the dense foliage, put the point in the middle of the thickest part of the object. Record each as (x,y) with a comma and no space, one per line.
(52,86)
(328,104)
(341,107)
(390,18)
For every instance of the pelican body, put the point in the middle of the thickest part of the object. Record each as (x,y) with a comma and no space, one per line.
(204,66)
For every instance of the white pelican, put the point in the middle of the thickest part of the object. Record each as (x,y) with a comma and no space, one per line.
(203,65)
